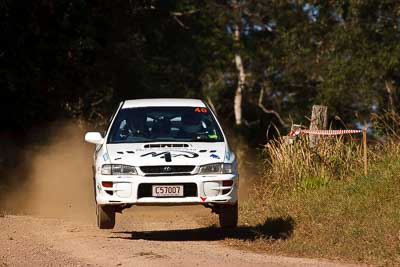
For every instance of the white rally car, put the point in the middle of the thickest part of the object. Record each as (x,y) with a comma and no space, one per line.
(164,152)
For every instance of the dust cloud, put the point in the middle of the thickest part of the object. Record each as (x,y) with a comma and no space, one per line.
(55,179)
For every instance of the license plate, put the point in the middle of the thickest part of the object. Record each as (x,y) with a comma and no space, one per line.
(167,190)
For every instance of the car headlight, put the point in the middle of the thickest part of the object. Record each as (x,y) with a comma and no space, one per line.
(118,169)
(217,168)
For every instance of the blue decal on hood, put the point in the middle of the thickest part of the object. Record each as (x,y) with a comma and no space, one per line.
(214,156)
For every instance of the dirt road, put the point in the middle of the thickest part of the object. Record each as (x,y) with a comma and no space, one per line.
(53,221)
(144,236)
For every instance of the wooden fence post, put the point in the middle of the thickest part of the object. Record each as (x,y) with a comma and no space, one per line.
(365,151)
(319,121)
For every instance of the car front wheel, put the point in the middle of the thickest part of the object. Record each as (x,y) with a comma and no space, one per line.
(228,216)
(105,217)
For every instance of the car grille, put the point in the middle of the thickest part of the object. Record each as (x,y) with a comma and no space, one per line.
(166,170)
(189,189)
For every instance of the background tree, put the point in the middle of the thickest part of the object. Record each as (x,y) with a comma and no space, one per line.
(270,59)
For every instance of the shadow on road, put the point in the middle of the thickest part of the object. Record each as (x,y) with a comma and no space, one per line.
(272,228)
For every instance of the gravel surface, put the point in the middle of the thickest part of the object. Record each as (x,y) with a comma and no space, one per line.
(143,236)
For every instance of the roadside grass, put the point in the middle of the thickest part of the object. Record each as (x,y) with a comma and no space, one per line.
(337,212)
(303,167)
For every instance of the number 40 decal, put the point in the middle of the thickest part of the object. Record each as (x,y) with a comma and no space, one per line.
(200,110)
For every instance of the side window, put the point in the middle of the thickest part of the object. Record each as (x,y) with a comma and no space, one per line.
(111,118)
(122,130)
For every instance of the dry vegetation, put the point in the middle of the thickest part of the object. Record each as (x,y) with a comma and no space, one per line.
(306,167)
(316,202)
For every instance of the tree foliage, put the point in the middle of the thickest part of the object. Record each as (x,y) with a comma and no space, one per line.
(79,58)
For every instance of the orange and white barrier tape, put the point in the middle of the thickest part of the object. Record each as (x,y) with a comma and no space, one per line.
(323,132)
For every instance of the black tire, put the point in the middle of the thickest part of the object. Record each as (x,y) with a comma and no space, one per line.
(228,216)
(105,217)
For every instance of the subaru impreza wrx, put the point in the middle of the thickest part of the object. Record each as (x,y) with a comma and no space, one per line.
(164,152)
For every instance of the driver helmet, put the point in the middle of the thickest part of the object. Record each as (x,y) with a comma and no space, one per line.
(162,127)
(191,123)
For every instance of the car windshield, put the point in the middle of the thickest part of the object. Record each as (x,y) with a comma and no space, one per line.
(159,124)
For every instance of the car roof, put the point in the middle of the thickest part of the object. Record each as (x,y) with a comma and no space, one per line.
(163,102)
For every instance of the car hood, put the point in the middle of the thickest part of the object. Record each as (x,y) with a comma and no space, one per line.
(151,154)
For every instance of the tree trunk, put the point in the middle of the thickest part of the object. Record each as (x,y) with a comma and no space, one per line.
(319,121)
(241,81)
(391,95)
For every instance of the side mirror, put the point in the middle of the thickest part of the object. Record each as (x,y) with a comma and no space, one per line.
(94,138)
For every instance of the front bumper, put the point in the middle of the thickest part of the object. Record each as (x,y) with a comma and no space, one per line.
(125,189)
